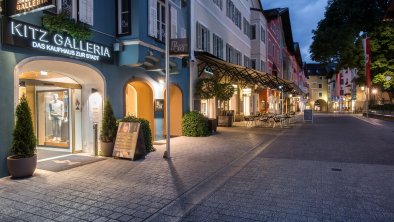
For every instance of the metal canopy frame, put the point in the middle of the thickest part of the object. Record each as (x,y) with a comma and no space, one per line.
(241,75)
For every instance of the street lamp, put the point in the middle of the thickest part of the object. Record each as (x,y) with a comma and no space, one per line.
(281,101)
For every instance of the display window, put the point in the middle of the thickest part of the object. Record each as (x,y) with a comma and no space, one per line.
(53,125)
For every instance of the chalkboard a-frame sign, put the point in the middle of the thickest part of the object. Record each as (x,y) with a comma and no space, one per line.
(129,143)
(308,115)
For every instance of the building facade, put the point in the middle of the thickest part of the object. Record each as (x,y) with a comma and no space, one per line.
(66,79)
(318,87)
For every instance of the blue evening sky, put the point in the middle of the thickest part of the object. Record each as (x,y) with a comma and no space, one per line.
(304,15)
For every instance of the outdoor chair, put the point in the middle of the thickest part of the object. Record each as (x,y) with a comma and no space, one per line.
(277,121)
(249,121)
(265,120)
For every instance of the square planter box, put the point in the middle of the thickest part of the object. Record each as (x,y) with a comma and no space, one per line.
(226,121)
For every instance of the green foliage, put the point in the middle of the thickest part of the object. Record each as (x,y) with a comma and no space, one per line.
(224,91)
(384,107)
(108,124)
(205,88)
(208,88)
(24,141)
(382,56)
(63,24)
(146,131)
(194,124)
(337,37)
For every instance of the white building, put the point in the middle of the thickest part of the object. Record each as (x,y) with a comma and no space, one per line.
(234,31)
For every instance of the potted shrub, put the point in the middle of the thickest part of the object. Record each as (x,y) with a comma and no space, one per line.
(194,124)
(23,159)
(108,130)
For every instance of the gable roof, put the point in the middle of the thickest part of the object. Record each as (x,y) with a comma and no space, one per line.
(284,14)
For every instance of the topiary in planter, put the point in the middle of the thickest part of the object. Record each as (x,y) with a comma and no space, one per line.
(23,161)
(108,124)
(146,131)
(194,124)
(24,143)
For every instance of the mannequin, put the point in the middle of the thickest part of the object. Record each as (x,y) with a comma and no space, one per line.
(56,115)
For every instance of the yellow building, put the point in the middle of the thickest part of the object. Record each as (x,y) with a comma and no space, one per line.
(318,87)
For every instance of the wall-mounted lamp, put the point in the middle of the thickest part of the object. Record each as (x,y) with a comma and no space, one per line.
(161,81)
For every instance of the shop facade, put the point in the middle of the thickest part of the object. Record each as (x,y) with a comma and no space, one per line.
(66,81)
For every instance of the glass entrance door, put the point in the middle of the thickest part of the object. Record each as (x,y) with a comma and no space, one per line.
(53,120)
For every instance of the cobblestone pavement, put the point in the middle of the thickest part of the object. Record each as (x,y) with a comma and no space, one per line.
(338,169)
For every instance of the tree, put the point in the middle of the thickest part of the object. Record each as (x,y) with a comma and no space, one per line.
(382,57)
(24,143)
(338,36)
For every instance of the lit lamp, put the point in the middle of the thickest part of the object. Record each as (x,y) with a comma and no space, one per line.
(374,91)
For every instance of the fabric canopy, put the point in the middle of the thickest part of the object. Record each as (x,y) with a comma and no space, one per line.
(242,75)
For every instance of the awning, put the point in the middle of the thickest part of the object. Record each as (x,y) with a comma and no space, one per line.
(242,75)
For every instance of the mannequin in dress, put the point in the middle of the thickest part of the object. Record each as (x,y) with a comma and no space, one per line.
(56,115)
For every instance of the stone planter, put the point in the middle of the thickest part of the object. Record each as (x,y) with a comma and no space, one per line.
(225,121)
(21,167)
(107,149)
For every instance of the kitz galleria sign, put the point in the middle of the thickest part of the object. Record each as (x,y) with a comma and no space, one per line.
(17,33)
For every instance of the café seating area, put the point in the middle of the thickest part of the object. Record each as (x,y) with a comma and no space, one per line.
(270,120)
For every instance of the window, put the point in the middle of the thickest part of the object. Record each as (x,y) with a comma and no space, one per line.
(246,28)
(320,94)
(124,23)
(253,64)
(234,14)
(203,38)
(246,61)
(81,11)
(341,82)
(320,86)
(262,66)
(157,22)
(238,57)
(217,46)
(317,71)
(85,11)
(229,53)
(253,32)
(219,3)
(262,34)
(341,92)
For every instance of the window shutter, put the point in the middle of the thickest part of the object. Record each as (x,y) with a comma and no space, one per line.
(85,13)
(198,46)
(208,49)
(174,22)
(152,18)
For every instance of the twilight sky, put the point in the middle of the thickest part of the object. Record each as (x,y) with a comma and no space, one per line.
(304,15)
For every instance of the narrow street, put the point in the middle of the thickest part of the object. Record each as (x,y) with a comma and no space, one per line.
(340,168)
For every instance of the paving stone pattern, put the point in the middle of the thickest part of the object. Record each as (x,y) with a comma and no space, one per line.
(239,174)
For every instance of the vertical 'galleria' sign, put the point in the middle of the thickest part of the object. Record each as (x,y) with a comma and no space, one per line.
(17,7)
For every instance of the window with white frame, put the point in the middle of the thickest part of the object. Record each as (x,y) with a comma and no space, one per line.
(124,19)
(246,61)
(253,32)
(262,66)
(246,26)
(262,35)
(229,53)
(217,46)
(234,14)
(81,11)
(219,3)
(238,57)
(253,63)
(203,38)
(157,19)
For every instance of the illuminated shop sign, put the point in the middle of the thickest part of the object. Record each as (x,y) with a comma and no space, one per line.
(17,7)
(25,35)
